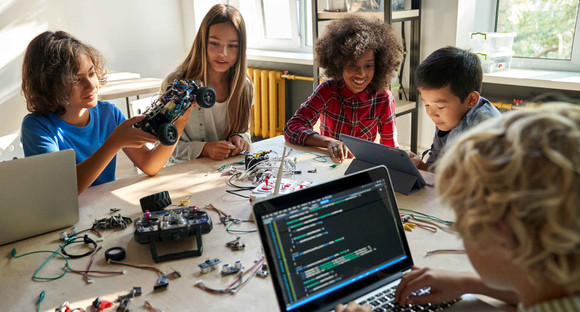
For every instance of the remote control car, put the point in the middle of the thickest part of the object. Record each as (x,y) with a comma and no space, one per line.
(169,106)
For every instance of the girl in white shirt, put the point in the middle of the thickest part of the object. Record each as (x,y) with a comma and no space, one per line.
(217,59)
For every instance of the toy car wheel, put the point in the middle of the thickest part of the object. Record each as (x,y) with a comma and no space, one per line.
(155,202)
(205,97)
(167,134)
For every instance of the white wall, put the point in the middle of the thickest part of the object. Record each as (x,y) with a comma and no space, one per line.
(140,36)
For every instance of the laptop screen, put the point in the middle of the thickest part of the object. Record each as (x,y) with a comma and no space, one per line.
(332,240)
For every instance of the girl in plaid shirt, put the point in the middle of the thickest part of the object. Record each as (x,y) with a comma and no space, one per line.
(360,57)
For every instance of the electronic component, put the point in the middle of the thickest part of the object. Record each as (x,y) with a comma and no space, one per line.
(123,305)
(162,283)
(100,304)
(267,187)
(172,224)
(64,236)
(176,273)
(117,221)
(251,160)
(236,244)
(209,265)
(263,272)
(228,269)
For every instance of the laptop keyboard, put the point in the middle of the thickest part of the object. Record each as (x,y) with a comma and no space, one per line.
(385,301)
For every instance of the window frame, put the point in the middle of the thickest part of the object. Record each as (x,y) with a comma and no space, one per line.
(298,28)
(548,64)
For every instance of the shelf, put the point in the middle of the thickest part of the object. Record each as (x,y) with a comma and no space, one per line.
(397,15)
(403,107)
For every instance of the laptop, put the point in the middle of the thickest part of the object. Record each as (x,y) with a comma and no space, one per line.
(339,241)
(39,194)
(405,176)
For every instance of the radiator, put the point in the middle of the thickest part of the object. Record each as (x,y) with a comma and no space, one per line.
(269,102)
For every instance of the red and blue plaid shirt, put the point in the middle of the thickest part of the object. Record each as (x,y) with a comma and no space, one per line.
(340,111)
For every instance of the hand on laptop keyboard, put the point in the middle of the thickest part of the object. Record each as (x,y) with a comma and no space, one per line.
(443,286)
(353,307)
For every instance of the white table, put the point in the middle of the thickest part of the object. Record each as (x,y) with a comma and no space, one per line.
(199,181)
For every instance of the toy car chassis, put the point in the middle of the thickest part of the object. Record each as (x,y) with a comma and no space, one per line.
(169,106)
(172,224)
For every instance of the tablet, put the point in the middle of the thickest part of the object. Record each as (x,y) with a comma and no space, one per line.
(405,177)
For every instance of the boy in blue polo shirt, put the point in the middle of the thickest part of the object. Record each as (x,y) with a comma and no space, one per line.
(449,81)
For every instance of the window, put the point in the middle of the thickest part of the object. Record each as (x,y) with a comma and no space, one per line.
(548,35)
(282,25)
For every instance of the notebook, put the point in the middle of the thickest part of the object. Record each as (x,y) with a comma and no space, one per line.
(39,194)
(405,176)
(338,241)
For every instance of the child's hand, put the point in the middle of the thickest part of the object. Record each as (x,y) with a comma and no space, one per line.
(415,158)
(338,150)
(125,135)
(353,307)
(240,144)
(417,161)
(219,150)
(445,286)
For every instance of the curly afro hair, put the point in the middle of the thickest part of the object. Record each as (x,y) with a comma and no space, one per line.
(347,39)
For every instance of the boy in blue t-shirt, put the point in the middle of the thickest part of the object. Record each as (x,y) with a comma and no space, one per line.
(61,78)
(449,81)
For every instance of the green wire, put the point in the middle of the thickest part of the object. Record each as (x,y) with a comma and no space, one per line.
(40,300)
(239,231)
(318,158)
(34,276)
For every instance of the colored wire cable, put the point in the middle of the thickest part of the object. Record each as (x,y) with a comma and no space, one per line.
(40,299)
(88,271)
(73,240)
(236,221)
(138,266)
(414,213)
(53,253)
(238,283)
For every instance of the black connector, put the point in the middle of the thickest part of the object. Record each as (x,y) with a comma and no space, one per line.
(162,283)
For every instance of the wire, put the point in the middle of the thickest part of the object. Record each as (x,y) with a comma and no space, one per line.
(318,158)
(234,192)
(40,299)
(444,251)
(73,240)
(53,253)
(236,221)
(138,266)
(88,271)
(412,213)
(238,283)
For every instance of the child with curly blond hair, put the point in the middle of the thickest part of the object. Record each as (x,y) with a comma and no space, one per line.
(514,184)
(359,56)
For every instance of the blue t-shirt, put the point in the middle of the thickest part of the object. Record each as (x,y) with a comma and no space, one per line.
(45,134)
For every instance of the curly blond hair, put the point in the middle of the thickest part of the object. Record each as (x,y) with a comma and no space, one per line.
(522,170)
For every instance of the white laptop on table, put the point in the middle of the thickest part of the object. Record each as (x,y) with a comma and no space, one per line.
(38,194)
(339,241)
